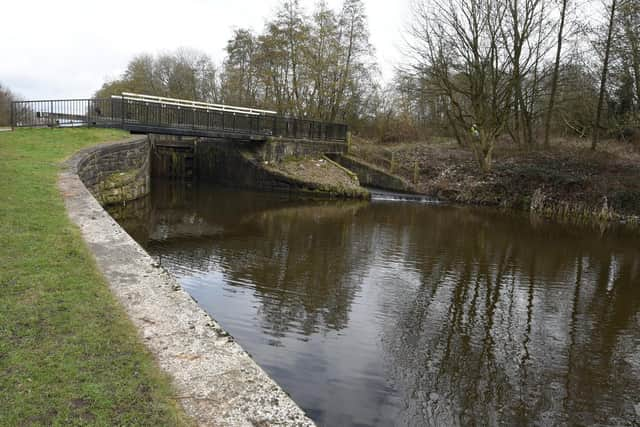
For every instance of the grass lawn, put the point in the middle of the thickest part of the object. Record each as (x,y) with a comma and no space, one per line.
(68,354)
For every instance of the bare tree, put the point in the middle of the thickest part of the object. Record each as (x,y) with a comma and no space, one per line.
(185,73)
(322,58)
(292,27)
(6,97)
(556,73)
(315,66)
(605,70)
(631,14)
(625,59)
(354,48)
(525,35)
(459,45)
(239,78)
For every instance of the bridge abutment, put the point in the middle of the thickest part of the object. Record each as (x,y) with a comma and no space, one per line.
(119,173)
(253,164)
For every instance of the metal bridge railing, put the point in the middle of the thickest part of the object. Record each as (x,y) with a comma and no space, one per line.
(149,117)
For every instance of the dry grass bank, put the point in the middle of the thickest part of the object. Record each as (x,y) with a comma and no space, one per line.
(568,179)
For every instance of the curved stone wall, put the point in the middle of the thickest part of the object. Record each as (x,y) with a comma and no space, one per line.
(216,381)
(117,172)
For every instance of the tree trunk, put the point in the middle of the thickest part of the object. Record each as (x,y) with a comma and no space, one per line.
(483,150)
(632,35)
(556,72)
(603,81)
(454,127)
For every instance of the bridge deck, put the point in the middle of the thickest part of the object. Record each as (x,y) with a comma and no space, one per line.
(141,116)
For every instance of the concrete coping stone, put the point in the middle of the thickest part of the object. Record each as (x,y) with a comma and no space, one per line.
(216,381)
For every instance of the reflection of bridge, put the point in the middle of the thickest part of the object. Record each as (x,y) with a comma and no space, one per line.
(169,116)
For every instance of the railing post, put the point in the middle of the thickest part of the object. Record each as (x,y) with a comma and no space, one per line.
(13,115)
(122,110)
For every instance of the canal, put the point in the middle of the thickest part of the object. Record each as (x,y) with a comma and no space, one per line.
(410,314)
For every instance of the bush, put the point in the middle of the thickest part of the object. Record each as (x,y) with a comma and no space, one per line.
(6,96)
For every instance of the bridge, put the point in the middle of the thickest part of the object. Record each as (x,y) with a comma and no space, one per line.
(140,113)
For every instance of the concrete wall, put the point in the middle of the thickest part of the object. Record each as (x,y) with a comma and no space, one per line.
(372,176)
(117,173)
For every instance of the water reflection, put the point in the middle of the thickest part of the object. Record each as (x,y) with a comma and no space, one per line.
(406,314)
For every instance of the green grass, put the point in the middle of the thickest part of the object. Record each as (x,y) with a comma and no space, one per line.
(68,353)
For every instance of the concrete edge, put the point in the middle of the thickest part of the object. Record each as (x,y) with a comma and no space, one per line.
(338,165)
(216,381)
(378,169)
(403,187)
(304,187)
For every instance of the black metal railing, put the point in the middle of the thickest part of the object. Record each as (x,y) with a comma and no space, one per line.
(150,117)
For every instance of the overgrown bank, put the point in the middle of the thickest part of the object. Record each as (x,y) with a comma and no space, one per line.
(566,182)
(68,353)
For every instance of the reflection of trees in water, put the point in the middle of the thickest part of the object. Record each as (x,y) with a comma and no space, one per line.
(506,328)
(298,256)
(301,265)
(603,357)
(494,321)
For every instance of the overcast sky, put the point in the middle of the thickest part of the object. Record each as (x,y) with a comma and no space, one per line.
(68,48)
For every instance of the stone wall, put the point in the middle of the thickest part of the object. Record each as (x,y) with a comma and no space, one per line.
(249,165)
(239,163)
(117,172)
(234,164)
(372,176)
(172,157)
(278,149)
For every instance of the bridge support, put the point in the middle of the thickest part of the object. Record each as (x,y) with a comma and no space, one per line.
(247,164)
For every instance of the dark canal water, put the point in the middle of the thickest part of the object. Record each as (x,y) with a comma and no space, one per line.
(410,314)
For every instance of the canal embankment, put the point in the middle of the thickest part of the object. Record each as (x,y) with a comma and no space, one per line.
(69,355)
(567,182)
(216,381)
(93,330)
